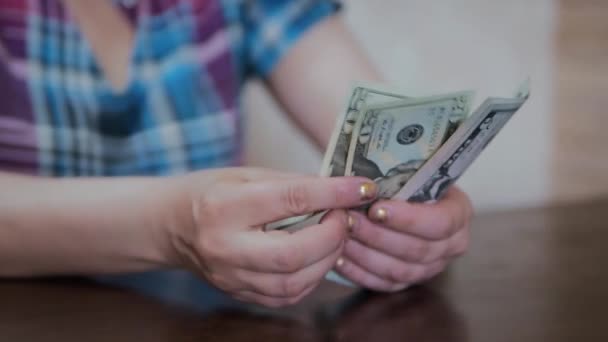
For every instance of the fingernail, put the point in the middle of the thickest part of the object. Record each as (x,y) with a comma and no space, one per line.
(367,191)
(380,214)
(350,222)
(340,262)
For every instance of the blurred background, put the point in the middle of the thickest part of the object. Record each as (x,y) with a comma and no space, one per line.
(551,151)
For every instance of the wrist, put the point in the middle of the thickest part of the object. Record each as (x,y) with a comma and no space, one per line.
(178,227)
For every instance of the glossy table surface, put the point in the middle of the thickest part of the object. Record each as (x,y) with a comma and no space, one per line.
(532,275)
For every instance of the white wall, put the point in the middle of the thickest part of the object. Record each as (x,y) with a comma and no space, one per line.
(427,47)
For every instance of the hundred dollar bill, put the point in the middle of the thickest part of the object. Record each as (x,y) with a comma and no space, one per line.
(446,166)
(390,142)
(334,161)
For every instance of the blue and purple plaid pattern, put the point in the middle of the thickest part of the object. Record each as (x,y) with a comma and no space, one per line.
(180,111)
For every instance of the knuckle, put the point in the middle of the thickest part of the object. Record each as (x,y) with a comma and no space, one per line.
(437,251)
(444,227)
(280,305)
(401,274)
(418,275)
(287,260)
(434,270)
(205,245)
(296,199)
(290,287)
(457,244)
(440,268)
(356,251)
(336,230)
(397,288)
(463,220)
(452,225)
(215,278)
(466,243)
(461,246)
(419,251)
(406,220)
(469,209)
(345,269)
(294,300)
(467,216)
(372,235)
(210,249)
(219,281)
(273,303)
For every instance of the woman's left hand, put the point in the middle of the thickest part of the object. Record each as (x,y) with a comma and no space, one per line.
(400,244)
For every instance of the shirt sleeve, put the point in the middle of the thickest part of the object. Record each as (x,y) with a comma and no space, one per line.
(272,27)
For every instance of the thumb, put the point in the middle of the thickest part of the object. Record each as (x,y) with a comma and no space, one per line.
(269,201)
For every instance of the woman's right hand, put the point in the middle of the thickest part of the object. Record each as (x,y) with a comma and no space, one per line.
(220,231)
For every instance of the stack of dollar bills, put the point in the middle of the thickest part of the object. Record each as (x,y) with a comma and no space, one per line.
(413,148)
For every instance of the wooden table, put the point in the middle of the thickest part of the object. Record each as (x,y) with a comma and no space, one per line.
(533,275)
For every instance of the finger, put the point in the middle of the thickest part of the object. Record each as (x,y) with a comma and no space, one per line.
(407,247)
(436,221)
(269,301)
(284,252)
(402,246)
(384,266)
(263,202)
(458,244)
(434,269)
(358,275)
(288,285)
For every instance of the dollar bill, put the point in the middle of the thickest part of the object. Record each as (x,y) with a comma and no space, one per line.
(386,139)
(446,166)
(390,142)
(334,161)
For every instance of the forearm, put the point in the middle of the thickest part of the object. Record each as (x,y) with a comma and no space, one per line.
(311,82)
(81,226)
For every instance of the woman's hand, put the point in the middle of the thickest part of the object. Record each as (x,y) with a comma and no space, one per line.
(400,244)
(220,231)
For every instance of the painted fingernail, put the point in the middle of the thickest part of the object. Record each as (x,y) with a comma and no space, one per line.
(340,262)
(380,214)
(350,221)
(367,191)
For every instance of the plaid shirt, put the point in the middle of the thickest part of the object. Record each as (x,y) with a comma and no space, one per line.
(180,110)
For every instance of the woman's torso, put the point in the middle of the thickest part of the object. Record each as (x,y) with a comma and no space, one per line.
(179,110)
